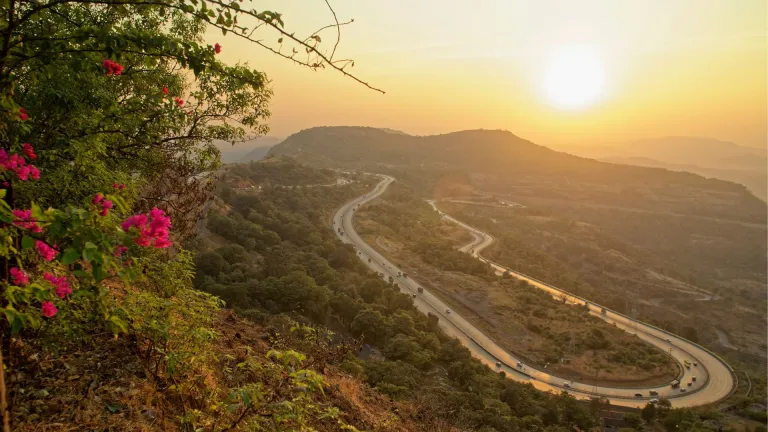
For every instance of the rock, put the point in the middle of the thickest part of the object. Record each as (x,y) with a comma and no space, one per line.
(150,413)
(42,393)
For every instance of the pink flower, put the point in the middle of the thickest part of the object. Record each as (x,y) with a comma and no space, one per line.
(19,277)
(29,151)
(23,173)
(111,67)
(60,284)
(217,48)
(34,172)
(23,221)
(23,114)
(153,229)
(48,309)
(122,186)
(115,185)
(120,250)
(179,101)
(46,252)
(97,198)
(105,206)
(165,90)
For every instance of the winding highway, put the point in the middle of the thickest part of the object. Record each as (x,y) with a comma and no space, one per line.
(711,378)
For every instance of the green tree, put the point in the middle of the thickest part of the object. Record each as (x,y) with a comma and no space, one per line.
(649,412)
(632,420)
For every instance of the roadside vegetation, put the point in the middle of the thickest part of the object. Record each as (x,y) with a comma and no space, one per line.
(525,320)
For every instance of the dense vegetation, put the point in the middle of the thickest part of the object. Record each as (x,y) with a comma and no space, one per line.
(313,277)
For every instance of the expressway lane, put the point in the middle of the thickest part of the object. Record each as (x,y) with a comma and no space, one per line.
(714,378)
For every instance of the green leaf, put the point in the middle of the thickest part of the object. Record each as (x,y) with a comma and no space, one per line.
(27,242)
(70,255)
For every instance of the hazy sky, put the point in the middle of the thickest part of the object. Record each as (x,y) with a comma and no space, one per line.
(670,67)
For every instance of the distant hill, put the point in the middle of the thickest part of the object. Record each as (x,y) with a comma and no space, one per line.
(755,180)
(705,156)
(254,149)
(702,152)
(499,161)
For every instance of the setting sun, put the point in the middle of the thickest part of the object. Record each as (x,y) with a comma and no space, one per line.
(574,77)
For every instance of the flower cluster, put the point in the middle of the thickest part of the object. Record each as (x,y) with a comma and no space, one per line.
(18,164)
(19,277)
(179,101)
(23,114)
(118,186)
(217,48)
(111,67)
(60,284)
(153,228)
(23,220)
(105,204)
(48,309)
(46,252)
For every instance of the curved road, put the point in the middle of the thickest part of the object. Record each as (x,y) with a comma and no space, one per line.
(715,380)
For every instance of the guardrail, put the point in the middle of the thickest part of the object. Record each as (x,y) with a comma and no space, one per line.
(566,293)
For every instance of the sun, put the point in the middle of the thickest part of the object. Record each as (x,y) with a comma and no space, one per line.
(574,78)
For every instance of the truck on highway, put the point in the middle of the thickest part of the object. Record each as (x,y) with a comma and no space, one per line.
(604,311)
(675,384)
(420,290)
(687,364)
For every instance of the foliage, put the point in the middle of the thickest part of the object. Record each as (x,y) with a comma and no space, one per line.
(309,260)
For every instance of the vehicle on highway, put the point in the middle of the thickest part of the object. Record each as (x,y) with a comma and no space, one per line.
(519,365)
(682,390)
(414,295)
(567,384)
(654,393)
(695,363)
(653,401)
(675,383)
(694,378)
(369,260)
(687,364)
(668,340)
(447,311)
(405,275)
(690,383)
(420,290)
(638,395)
(498,363)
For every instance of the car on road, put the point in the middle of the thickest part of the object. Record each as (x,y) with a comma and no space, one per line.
(519,365)
(668,340)
(447,311)
(695,363)
(414,295)
(498,364)
(567,384)
(682,390)
(694,378)
(653,401)
(654,393)
(638,395)
(690,383)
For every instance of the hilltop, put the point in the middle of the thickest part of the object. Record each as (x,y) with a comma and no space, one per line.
(499,161)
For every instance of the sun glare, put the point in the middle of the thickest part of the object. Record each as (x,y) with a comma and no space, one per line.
(574,77)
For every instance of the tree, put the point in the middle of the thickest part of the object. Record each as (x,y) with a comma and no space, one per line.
(632,420)
(370,325)
(649,412)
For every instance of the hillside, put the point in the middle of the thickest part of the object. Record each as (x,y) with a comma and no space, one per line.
(499,161)
(254,149)
(755,180)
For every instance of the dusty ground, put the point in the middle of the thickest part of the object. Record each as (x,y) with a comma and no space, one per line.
(535,328)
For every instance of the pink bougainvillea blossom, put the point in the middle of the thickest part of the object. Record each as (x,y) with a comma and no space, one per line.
(46,252)
(106,205)
(153,229)
(19,277)
(23,114)
(18,164)
(29,151)
(111,67)
(48,309)
(165,90)
(179,101)
(23,220)
(120,250)
(217,48)
(60,284)
(97,198)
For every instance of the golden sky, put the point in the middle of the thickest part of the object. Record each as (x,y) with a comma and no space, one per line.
(670,67)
